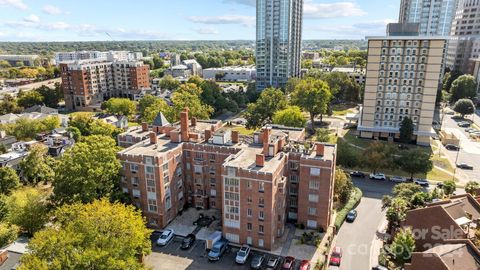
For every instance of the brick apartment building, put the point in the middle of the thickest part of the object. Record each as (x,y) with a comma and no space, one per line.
(258,183)
(87,83)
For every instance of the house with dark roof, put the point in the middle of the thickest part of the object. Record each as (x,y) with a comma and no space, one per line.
(41,109)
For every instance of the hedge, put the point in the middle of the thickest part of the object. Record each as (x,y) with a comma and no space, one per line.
(351,204)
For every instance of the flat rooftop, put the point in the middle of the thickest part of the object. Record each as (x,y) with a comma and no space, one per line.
(148,149)
(246,158)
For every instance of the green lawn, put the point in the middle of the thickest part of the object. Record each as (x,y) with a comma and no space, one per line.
(243,130)
(342,109)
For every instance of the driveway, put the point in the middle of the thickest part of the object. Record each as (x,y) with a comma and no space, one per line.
(356,238)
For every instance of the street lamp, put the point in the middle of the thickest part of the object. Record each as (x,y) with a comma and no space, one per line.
(456,159)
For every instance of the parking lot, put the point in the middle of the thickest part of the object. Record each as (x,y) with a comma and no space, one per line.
(172,257)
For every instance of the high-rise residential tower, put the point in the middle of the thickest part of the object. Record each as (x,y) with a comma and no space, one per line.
(434,16)
(279,37)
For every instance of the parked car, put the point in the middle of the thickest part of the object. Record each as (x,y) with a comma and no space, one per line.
(468,130)
(336,257)
(351,216)
(421,182)
(465,166)
(378,176)
(440,184)
(257,261)
(357,174)
(188,241)
(398,179)
(242,254)
(379,267)
(272,263)
(288,263)
(165,237)
(217,250)
(452,147)
(464,124)
(304,265)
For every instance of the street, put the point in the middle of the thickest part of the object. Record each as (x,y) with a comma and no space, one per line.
(356,238)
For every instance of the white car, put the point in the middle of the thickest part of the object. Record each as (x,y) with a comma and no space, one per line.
(242,254)
(166,236)
(398,179)
(378,176)
(421,182)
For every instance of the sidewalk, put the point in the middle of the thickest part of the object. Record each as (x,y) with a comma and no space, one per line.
(377,243)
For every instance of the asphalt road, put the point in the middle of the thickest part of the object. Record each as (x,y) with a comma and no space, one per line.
(356,238)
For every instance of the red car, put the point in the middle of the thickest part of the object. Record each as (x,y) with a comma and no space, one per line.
(336,257)
(304,265)
(288,263)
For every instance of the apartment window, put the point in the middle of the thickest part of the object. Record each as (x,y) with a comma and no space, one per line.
(249,184)
(260,229)
(261,215)
(315,171)
(293,165)
(261,186)
(212,157)
(149,170)
(213,192)
(133,168)
(249,212)
(294,178)
(152,205)
(261,202)
(312,198)
(312,211)
(136,193)
(197,169)
(314,184)
(148,160)
(249,226)
(199,156)
(249,199)
(135,181)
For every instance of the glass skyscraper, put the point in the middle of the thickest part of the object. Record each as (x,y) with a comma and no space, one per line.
(279,37)
(434,16)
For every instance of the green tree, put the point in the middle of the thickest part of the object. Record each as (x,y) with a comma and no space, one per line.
(157,62)
(37,165)
(88,171)
(9,180)
(196,80)
(188,99)
(8,233)
(449,78)
(313,96)
(5,64)
(75,133)
(405,191)
(402,246)
(449,187)
(463,87)
(290,117)
(159,105)
(51,96)
(406,130)
(472,188)
(145,102)
(396,212)
(343,187)
(120,106)
(29,99)
(82,121)
(322,135)
(414,161)
(262,111)
(379,155)
(347,156)
(169,83)
(419,199)
(464,106)
(98,235)
(27,209)
(9,105)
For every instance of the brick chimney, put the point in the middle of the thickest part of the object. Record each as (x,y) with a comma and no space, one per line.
(267,131)
(184,125)
(193,121)
(144,126)
(208,134)
(260,160)
(320,149)
(153,138)
(235,136)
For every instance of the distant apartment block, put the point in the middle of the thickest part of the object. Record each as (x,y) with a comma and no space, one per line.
(434,16)
(278,42)
(86,84)
(231,74)
(257,183)
(403,75)
(464,43)
(185,70)
(26,60)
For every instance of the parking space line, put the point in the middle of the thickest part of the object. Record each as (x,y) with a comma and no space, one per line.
(193,246)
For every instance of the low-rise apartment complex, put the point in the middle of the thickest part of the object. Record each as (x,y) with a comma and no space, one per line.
(403,75)
(231,74)
(87,83)
(258,183)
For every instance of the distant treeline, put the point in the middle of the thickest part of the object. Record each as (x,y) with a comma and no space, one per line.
(150,47)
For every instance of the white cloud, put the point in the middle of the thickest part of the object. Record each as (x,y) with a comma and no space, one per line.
(355,31)
(312,10)
(14,3)
(243,2)
(227,19)
(52,10)
(207,30)
(32,18)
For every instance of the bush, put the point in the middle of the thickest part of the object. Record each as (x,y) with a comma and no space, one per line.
(352,203)
(8,234)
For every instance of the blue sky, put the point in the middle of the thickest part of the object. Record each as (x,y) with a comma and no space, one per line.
(80,20)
